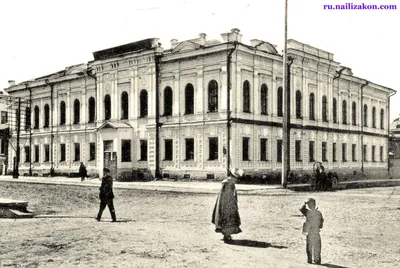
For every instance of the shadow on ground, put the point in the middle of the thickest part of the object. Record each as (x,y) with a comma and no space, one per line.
(252,243)
(333,265)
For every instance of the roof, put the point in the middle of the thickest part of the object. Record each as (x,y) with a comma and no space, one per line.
(131,47)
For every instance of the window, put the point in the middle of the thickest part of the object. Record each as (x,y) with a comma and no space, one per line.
(4,117)
(334,152)
(189,149)
(353,153)
(344,112)
(125,150)
(168,101)
(298,104)
(279,151)
(92,110)
(27,118)
(36,114)
(168,153)
(77,107)
(365,153)
(311,151)
(312,107)
(382,119)
(124,105)
(344,152)
(143,150)
(36,154)
(354,113)
(143,104)
(92,151)
(324,149)
(62,152)
(46,153)
(264,99)
(213,96)
(324,109)
(46,116)
(297,150)
(3,146)
(373,153)
(107,107)
(334,110)
(246,97)
(27,154)
(245,148)
(189,99)
(280,102)
(263,149)
(381,153)
(77,150)
(62,114)
(374,117)
(365,115)
(213,148)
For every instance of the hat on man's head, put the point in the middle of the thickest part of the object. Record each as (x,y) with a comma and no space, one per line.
(236,172)
(106,169)
(311,200)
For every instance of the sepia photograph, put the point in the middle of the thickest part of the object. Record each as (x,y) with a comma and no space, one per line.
(199,134)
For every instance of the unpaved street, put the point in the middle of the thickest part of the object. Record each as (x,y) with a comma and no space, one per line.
(157,229)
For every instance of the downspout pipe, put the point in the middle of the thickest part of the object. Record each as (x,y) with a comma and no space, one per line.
(228,113)
(51,126)
(388,131)
(338,74)
(157,60)
(362,127)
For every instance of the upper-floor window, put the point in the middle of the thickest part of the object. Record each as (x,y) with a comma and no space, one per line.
(46,116)
(107,107)
(124,105)
(382,119)
(4,117)
(280,102)
(334,110)
(344,112)
(312,106)
(365,115)
(374,117)
(213,96)
(27,118)
(77,107)
(246,96)
(264,99)
(62,113)
(36,115)
(298,104)
(92,110)
(189,99)
(324,109)
(143,103)
(354,113)
(168,101)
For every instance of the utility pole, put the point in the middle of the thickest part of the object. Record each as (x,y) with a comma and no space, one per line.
(286,114)
(18,121)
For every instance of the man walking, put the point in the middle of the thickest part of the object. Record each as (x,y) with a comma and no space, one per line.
(106,195)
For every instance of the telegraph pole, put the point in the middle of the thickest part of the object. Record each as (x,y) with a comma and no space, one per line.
(18,119)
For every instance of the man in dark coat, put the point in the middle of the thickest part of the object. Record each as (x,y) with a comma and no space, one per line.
(106,195)
(82,171)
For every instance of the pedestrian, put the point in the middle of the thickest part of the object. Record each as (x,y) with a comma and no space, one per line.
(106,195)
(226,211)
(314,222)
(82,171)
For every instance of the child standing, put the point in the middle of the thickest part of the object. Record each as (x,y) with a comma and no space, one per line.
(314,222)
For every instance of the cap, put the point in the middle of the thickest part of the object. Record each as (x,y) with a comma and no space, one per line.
(106,169)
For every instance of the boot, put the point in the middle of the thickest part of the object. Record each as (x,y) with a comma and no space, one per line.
(98,216)
(113,216)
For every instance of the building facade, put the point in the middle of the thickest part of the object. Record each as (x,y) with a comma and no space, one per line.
(198,108)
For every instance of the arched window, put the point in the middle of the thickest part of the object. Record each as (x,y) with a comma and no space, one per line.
(92,110)
(382,119)
(77,107)
(189,99)
(62,113)
(298,104)
(143,103)
(27,118)
(324,109)
(107,107)
(280,102)
(46,115)
(365,115)
(36,115)
(124,105)
(213,96)
(246,96)
(374,117)
(334,110)
(312,107)
(168,101)
(354,113)
(264,99)
(344,112)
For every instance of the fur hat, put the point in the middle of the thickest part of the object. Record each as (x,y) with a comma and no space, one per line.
(106,169)
(236,172)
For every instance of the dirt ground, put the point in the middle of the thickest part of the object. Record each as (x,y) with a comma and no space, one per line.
(164,229)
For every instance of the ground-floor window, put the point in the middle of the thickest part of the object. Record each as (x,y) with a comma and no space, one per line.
(62,152)
(334,152)
(324,149)
(126,151)
(189,149)
(279,151)
(263,149)
(213,148)
(311,151)
(46,153)
(168,150)
(36,153)
(27,154)
(373,153)
(92,151)
(353,153)
(143,150)
(245,148)
(365,152)
(381,153)
(344,152)
(297,150)
(77,150)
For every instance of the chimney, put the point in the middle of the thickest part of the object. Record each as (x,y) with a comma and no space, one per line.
(234,35)
(11,83)
(174,43)
(202,38)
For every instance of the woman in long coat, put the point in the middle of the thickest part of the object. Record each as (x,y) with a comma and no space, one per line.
(226,211)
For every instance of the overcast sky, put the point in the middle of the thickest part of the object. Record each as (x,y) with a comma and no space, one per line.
(39,37)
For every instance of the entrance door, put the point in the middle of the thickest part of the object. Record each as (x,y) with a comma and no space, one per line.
(110,161)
